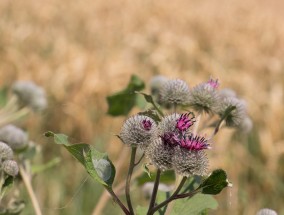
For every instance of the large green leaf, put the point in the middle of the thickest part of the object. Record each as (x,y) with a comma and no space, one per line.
(195,205)
(97,164)
(215,183)
(121,103)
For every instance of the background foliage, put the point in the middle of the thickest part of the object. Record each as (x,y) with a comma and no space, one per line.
(83,51)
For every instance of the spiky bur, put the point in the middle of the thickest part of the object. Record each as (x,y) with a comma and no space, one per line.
(185,121)
(266,211)
(205,97)
(189,156)
(160,154)
(10,167)
(6,153)
(15,137)
(138,130)
(237,115)
(174,92)
(156,84)
(30,95)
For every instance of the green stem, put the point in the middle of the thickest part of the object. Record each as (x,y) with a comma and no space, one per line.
(154,193)
(128,180)
(172,197)
(117,200)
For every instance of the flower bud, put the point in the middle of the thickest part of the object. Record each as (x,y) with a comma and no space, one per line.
(266,211)
(204,97)
(6,153)
(138,130)
(15,137)
(10,167)
(174,92)
(30,95)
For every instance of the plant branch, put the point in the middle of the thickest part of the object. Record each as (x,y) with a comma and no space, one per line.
(140,159)
(128,180)
(154,193)
(117,200)
(28,185)
(172,197)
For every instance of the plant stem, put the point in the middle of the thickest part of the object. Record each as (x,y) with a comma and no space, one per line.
(117,200)
(14,116)
(128,180)
(140,159)
(154,193)
(172,197)
(28,185)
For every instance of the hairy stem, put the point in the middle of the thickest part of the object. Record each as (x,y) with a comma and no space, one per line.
(172,197)
(28,185)
(128,180)
(154,193)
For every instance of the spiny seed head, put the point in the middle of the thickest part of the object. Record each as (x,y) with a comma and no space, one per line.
(237,115)
(15,137)
(168,124)
(174,92)
(6,153)
(185,121)
(246,125)
(160,154)
(30,95)
(189,162)
(266,211)
(10,167)
(193,143)
(156,84)
(138,130)
(204,98)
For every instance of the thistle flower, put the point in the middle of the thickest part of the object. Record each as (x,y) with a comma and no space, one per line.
(138,130)
(266,211)
(236,116)
(30,95)
(15,137)
(213,83)
(168,124)
(184,122)
(6,153)
(160,154)
(204,97)
(174,92)
(10,167)
(194,143)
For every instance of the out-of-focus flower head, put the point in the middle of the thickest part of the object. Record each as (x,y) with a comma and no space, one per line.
(15,137)
(30,94)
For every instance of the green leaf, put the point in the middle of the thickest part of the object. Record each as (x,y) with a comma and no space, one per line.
(215,183)
(141,210)
(121,103)
(7,185)
(166,177)
(100,167)
(97,164)
(195,205)
(3,96)
(146,170)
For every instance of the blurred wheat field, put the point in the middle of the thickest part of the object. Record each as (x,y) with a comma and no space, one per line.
(82,51)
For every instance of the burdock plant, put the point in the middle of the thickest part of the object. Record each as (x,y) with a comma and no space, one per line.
(172,140)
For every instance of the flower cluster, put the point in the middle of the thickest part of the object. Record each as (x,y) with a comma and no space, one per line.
(176,147)
(170,142)
(7,165)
